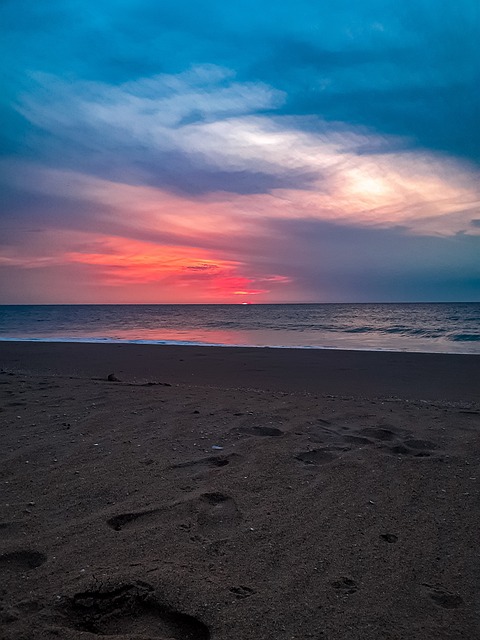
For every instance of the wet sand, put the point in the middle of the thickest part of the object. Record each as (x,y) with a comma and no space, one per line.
(361,373)
(238,493)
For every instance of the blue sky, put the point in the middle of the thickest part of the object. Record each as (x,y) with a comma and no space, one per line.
(220,151)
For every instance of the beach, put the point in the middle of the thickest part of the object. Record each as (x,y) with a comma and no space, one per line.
(238,493)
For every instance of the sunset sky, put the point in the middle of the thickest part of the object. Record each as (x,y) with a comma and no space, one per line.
(218,151)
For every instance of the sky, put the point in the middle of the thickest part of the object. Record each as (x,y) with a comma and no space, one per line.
(226,152)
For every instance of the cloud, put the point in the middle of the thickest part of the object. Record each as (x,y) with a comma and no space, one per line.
(406,70)
(145,130)
(337,263)
(265,143)
(131,267)
(426,193)
(287,260)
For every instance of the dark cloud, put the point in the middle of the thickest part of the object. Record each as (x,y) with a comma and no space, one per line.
(181,173)
(412,90)
(408,69)
(350,263)
(438,118)
(36,212)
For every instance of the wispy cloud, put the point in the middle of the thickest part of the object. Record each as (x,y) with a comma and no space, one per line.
(179,152)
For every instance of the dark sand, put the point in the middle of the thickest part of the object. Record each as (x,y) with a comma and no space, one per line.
(343,503)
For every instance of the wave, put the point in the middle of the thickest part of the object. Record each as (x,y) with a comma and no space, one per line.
(411,348)
(465,337)
(437,328)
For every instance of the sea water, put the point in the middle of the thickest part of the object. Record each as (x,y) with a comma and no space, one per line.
(439,327)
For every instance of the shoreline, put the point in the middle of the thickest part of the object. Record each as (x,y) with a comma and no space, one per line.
(226,345)
(408,375)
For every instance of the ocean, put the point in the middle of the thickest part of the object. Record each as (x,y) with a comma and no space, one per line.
(438,327)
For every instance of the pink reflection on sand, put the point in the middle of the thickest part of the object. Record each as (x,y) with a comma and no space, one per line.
(204,336)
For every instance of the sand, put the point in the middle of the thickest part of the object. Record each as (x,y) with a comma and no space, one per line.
(238,494)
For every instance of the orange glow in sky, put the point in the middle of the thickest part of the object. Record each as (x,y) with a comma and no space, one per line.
(336,163)
(194,274)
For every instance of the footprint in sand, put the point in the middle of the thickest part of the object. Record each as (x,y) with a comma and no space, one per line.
(23,560)
(316,457)
(408,447)
(201,464)
(216,513)
(126,609)
(389,537)
(123,520)
(414,447)
(345,585)
(383,435)
(212,514)
(242,592)
(399,450)
(442,597)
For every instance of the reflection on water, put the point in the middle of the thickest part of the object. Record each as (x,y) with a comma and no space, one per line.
(447,328)
(285,338)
